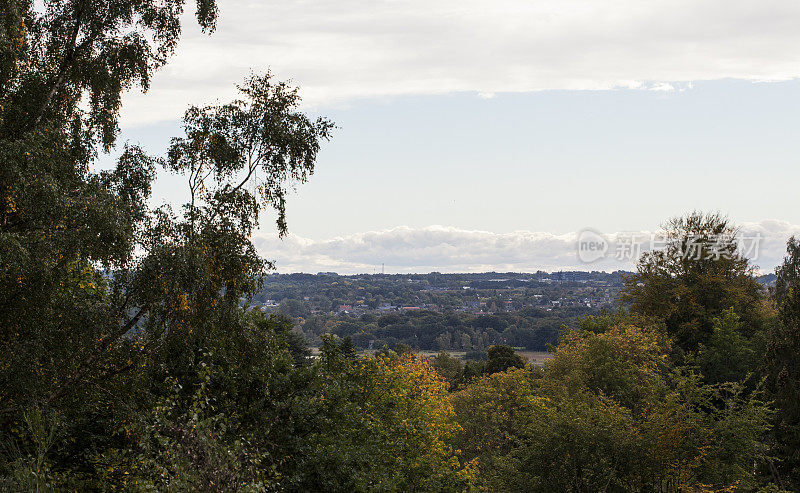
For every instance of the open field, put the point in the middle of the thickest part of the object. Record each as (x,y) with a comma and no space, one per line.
(535,357)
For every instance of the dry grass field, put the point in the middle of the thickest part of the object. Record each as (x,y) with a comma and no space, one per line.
(535,357)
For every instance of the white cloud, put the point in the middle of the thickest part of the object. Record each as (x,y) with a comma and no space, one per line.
(447,249)
(772,244)
(347,49)
(663,87)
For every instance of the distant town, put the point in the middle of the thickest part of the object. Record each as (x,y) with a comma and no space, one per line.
(454,312)
(484,293)
(464,313)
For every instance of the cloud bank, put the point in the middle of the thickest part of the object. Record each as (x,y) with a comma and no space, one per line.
(348,49)
(447,249)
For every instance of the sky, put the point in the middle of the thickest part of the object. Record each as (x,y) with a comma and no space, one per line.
(478,136)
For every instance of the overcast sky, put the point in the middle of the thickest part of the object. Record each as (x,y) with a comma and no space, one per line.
(485,135)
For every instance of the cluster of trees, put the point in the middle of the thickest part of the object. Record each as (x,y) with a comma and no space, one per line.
(128,362)
(611,412)
(533,328)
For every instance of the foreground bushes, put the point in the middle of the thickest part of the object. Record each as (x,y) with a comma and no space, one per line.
(234,410)
(610,413)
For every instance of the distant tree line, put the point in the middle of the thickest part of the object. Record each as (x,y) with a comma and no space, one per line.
(532,329)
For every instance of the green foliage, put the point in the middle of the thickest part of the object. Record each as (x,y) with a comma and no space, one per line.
(605,320)
(347,348)
(384,426)
(699,274)
(501,358)
(473,369)
(403,349)
(492,412)
(27,459)
(729,356)
(64,317)
(227,146)
(783,369)
(450,368)
(73,50)
(610,413)
(187,444)
(428,330)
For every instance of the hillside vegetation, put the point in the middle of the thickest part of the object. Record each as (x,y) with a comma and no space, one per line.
(133,358)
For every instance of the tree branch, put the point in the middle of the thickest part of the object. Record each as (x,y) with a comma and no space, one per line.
(97,353)
(66,62)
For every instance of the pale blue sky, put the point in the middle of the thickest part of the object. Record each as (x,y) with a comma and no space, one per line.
(493,120)
(553,161)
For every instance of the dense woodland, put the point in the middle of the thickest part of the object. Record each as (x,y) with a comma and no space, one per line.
(532,329)
(130,363)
